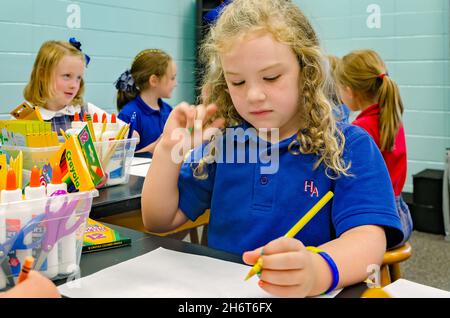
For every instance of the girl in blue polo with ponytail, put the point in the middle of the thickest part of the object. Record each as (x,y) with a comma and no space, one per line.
(140,91)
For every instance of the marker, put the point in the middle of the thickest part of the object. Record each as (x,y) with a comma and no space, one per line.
(104,118)
(85,117)
(113,118)
(95,118)
(26,268)
(76,117)
(296,228)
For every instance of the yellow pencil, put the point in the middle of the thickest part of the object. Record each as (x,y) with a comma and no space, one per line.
(103,129)
(296,228)
(90,127)
(63,133)
(20,169)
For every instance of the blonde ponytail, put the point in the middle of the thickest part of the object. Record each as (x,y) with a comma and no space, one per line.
(391,111)
(365,73)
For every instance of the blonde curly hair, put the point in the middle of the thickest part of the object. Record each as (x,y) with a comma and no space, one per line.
(288,25)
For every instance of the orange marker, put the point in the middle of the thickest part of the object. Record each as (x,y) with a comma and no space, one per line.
(104,119)
(26,268)
(76,117)
(113,118)
(95,118)
(85,117)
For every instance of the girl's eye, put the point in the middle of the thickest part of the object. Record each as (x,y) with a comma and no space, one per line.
(66,75)
(271,79)
(237,83)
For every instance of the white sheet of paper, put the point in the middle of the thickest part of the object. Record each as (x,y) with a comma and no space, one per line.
(165,273)
(139,161)
(403,288)
(140,170)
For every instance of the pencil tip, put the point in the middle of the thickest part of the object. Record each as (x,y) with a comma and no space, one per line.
(250,274)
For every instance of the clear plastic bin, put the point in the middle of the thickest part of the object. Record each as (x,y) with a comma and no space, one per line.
(117,168)
(49,229)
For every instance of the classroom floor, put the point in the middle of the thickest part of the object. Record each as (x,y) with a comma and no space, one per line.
(429,263)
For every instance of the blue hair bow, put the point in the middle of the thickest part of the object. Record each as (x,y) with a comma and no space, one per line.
(76,44)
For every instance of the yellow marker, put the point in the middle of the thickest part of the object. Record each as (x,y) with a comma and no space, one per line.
(296,228)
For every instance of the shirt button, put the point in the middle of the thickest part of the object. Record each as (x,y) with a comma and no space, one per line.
(264,180)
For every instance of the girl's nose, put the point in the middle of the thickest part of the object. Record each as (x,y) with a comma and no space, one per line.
(74,83)
(255,94)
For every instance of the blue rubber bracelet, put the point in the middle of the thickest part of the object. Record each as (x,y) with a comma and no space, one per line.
(331,264)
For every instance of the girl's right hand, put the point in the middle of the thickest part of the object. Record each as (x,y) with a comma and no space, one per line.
(186,126)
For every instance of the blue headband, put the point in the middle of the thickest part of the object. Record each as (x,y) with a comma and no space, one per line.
(77,45)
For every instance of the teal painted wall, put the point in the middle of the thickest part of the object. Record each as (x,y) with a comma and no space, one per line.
(413,39)
(112,32)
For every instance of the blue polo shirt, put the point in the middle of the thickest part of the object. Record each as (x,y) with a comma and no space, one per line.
(250,207)
(149,122)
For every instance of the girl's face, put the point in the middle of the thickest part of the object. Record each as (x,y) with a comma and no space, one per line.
(66,82)
(168,82)
(262,76)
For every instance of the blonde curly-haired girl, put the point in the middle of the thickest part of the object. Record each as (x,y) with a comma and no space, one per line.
(264,91)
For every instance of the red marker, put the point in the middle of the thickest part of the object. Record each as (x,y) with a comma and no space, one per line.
(76,117)
(85,117)
(104,119)
(95,118)
(113,118)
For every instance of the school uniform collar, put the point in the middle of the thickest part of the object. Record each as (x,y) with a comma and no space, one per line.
(146,109)
(372,110)
(252,135)
(67,110)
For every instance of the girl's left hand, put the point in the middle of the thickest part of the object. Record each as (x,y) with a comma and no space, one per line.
(287,268)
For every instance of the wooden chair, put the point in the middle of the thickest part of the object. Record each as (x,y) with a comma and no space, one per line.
(375,293)
(133,220)
(390,269)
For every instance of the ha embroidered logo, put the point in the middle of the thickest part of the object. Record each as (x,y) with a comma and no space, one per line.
(311,188)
